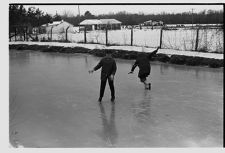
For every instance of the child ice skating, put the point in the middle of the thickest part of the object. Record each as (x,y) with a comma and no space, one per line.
(143,63)
(108,71)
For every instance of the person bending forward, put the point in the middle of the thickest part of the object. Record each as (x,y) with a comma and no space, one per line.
(108,71)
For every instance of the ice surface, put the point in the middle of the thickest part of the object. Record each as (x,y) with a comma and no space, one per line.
(53,103)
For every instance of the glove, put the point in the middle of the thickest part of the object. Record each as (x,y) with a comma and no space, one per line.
(111,77)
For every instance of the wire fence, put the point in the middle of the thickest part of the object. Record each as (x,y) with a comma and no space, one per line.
(198,39)
(205,40)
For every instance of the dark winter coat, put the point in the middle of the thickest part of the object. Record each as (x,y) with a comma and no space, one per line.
(108,66)
(143,63)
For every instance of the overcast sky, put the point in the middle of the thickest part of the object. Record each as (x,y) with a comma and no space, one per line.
(105,9)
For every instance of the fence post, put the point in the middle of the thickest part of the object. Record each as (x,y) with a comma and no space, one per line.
(66,33)
(36,30)
(85,38)
(24,34)
(51,32)
(196,42)
(106,35)
(161,34)
(9,36)
(15,33)
(131,41)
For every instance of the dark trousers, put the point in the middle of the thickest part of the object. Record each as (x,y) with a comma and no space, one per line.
(111,85)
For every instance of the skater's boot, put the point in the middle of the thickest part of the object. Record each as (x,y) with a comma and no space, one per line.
(100,99)
(113,99)
(149,86)
(146,86)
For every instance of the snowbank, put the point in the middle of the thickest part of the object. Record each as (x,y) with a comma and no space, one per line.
(123,52)
(168,52)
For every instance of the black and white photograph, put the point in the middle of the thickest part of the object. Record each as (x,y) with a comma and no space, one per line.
(115,75)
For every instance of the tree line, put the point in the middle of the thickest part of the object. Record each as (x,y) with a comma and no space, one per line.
(203,17)
(34,17)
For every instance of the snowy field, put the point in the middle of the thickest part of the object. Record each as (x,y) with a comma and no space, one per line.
(209,40)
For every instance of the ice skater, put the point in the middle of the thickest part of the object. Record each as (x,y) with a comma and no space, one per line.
(108,71)
(143,63)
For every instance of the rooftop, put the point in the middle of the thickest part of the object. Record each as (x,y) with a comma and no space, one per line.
(99,21)
(54,23)
(90,22)
(110,21)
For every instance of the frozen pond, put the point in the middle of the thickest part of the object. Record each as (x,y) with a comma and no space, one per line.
(53,103)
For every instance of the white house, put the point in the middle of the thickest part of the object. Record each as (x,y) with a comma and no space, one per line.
(101,24)
(112,24)
(91,24)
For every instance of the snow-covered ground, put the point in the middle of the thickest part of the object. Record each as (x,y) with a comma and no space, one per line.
(129,48)
(189,25)
(209,40)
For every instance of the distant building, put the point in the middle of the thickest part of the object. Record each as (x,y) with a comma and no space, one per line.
(153,23)
(91,24)
(148,23)
(101,24)
(112,24)
(55,27)
(160,23)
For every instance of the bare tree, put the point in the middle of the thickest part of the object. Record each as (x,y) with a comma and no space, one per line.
(67,14)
